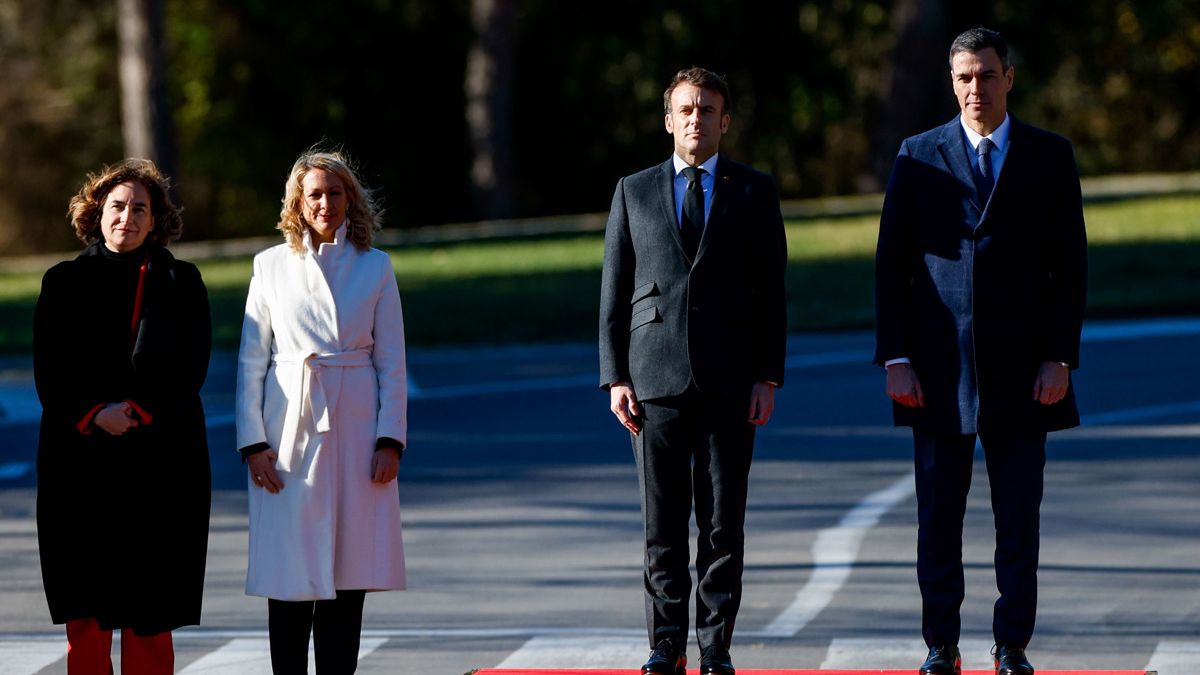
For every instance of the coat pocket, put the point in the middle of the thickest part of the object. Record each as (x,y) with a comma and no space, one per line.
(645,316)
(644,291)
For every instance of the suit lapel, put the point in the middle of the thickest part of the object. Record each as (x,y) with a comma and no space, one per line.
(1013,164)
(666,198)
(722,195)
(953,146)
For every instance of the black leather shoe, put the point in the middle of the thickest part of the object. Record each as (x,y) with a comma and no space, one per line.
(714,660)
(666,659)
(942,660)
(1010,660)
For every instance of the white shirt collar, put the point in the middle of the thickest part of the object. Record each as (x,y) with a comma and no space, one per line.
(709,165)
(999,137)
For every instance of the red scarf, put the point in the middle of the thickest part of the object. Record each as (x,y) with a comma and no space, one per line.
(137,298)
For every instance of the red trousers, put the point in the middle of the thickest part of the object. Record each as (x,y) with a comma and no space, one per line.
(89,651)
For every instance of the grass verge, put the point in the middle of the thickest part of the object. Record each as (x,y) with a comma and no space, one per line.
(1144,261)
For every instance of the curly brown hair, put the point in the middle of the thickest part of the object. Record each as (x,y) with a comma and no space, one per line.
(85,208)
(364,213)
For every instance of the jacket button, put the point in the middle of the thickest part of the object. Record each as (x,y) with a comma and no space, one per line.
(695,308)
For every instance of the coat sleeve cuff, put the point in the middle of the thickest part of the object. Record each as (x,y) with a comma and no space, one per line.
(143,416)
(386,442)
(252,449)
(84,425)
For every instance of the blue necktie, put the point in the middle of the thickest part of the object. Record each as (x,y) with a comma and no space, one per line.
(986,181)
(691,223)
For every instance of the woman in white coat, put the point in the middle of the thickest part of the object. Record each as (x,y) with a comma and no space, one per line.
(321,418)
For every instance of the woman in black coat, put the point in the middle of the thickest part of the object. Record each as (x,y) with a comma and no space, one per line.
(121,346)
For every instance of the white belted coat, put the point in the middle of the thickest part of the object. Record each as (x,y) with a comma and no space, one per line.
(321,376)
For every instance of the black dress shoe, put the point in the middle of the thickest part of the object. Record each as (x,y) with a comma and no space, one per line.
(714,660)
(1010,660)
(666,659)
(942,660)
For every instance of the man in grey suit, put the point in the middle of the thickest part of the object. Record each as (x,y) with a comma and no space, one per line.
(692,341)
(980,287)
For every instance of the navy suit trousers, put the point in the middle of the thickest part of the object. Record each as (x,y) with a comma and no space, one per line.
(1015,466)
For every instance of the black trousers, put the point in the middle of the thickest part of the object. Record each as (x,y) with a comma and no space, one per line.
(335,625)
(694,448)
(1015,466)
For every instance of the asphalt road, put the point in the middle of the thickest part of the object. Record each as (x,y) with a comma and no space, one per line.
(522,527)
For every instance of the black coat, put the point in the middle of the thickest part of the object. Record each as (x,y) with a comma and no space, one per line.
(721,322)
(123,520)
(979,296)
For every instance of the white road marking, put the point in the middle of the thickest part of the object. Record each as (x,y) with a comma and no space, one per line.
(1175,657)
(1132,330)
(1144,412)
(1091,333)
(834,554)
(509,386)
(19,403)
(861,357)
(29,656)
(228,419)
(1140,431)
(589,379)
(905,654)
(12,470)
(579,652)
(22,407)
(220,420)
(414,390)
(252,656)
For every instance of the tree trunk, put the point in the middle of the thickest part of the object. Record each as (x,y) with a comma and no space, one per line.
(145,120)
(488,106)
(918,88)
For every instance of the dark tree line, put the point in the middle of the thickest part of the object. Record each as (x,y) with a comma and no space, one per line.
(466,109)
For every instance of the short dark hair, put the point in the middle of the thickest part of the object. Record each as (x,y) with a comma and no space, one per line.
(699,77)
(978,39)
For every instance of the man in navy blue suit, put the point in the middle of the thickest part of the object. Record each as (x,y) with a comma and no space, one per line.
(980,287)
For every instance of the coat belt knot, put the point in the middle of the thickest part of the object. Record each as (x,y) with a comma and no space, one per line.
(310,391)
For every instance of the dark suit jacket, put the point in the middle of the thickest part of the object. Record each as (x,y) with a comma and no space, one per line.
(979,297)
(721,322)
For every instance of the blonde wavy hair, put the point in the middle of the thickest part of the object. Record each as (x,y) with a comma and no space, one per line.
(361,207)
(88,203)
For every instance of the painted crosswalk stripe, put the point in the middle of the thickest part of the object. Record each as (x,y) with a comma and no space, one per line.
(887,653)
(579,652)
(27,657)
(252,656)
(1175,657)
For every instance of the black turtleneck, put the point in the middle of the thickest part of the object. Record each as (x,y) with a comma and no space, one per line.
(134,257)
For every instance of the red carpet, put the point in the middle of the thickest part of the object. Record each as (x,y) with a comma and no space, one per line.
(746,671)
